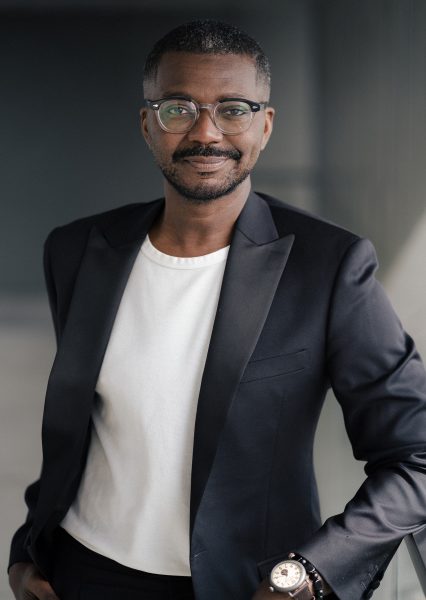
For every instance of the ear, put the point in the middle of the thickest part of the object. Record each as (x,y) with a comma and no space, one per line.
(143,113)
(268,126)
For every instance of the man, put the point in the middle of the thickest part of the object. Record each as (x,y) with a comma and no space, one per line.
(197,336)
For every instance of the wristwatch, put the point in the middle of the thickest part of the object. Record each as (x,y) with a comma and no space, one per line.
(290,576)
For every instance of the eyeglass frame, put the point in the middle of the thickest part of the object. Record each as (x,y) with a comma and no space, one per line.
(211,107)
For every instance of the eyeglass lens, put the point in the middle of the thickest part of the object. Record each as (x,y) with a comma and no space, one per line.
(179,115)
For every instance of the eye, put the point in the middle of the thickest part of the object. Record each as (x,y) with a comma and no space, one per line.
(234,110)
(176,110)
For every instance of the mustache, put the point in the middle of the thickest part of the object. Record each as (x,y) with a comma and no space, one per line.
(205,151)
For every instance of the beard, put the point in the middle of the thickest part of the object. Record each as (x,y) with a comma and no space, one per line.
(203,191)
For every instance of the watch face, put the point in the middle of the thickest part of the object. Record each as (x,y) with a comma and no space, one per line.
(287,576)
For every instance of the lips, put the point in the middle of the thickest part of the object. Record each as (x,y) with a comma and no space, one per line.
(206,163)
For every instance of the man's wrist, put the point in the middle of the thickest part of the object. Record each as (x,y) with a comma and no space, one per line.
(316,582)
(326,588)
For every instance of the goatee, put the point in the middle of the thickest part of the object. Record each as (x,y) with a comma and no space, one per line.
(202,192)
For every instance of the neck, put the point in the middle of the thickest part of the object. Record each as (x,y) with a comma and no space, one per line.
(187,229)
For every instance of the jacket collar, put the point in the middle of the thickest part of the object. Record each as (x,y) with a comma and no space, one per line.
(254,221)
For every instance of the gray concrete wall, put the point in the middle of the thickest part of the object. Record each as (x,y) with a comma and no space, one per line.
(374,118)
(373,181)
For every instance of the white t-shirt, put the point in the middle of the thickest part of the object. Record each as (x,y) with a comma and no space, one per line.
(133,502)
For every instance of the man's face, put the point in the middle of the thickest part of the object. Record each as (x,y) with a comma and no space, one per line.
(204,163)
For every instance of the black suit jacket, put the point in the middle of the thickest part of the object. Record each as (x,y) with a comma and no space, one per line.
(299,311)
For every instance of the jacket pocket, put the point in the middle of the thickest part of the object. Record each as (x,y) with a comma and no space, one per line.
(272,366)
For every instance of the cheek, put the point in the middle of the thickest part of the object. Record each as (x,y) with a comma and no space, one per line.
(251,150)
(161,143)
(162,146)
(251,146)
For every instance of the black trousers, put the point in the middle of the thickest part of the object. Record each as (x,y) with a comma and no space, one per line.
(81,574)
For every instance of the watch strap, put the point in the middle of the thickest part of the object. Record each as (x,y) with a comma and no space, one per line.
(302,593)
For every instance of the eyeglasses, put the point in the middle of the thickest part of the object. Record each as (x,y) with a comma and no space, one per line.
(230,116)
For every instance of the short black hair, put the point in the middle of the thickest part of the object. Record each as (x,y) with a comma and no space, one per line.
(208,36)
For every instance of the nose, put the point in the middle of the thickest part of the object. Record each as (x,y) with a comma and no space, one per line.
(204,130)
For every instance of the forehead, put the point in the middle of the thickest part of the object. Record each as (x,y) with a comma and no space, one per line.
(206,77)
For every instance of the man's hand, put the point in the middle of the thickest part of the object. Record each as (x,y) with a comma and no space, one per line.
(264,593)
(27,583)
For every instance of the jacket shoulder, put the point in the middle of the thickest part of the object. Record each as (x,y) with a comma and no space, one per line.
(305,223)
(80,228)
(317,240)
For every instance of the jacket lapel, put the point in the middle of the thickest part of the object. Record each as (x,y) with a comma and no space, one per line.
(101,280)
(255,263)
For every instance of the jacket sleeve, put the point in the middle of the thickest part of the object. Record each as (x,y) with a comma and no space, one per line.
(380,382)
(18,552)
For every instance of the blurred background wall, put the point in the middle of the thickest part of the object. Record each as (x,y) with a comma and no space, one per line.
(349,86)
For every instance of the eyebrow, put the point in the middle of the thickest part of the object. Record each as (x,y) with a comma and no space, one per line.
(175,93)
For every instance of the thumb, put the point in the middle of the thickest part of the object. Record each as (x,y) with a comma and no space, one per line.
(44,591)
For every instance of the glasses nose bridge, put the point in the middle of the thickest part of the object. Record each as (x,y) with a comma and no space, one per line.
(211,109)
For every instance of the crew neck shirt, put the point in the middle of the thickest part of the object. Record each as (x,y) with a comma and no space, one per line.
(133,501)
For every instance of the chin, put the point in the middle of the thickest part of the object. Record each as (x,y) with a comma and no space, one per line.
(208,189)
